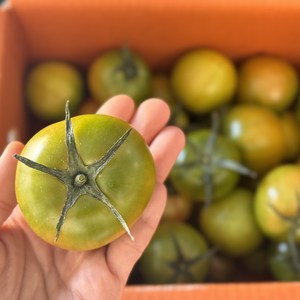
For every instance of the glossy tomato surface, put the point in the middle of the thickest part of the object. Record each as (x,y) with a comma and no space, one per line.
(203,80)
(269,81)
(259,134)
(277,203)
(127,181)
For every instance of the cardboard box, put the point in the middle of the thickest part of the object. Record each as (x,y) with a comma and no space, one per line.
(77,30)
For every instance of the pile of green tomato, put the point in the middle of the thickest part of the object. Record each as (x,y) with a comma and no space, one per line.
(233,208)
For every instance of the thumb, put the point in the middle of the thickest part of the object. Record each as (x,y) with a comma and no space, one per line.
(7,180)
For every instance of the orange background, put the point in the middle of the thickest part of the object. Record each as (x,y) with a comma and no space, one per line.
(77,30)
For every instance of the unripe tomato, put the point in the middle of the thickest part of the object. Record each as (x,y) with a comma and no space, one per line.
(268,80)
(176,253)
(291,128)
(194,164)
(277,203)
(203,79)
(49,85)
(78,211)
(178,208)
(283,262)
(230,223)
(119,71)
(258,133)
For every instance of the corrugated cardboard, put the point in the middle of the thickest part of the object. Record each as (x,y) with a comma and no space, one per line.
(77,30)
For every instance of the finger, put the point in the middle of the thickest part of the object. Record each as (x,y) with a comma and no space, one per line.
(7,180)
(123,253)
(120,106)
(165,148)
(151,116)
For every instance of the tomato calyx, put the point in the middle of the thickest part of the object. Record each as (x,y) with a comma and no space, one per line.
(206,158)
(128,66)
(182,265)
(80,179)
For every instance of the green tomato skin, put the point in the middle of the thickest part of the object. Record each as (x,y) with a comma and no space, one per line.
(281,262)
(128,181)
(49,85)
(189,181)
(106,81)
(161,252)
(257,131)
(269,81)
(203,80)
(230,224)
(277,193)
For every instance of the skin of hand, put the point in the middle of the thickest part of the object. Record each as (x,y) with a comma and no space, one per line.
(33,269)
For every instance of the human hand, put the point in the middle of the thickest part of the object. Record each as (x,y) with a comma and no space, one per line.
(33,269)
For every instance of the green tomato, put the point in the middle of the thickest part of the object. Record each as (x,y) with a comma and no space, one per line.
(259,134)
(284,262)
(230,223)
(178,207)
(269,81)
(277,203)
(203,80)
(206,174)
(176,253)
(119,72)
(99,184)
(49,85)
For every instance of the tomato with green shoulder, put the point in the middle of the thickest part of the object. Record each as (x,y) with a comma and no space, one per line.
(72,182)
(277,203)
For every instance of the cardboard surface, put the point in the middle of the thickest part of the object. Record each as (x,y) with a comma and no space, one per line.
(160,30)
(249,291)
(13,55)
(77,31)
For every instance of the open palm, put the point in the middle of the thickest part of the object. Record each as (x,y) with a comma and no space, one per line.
(33,269)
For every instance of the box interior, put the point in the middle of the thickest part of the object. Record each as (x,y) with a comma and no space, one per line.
(160,31)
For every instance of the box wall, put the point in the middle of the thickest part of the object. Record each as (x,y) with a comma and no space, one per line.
(249,291)
(159,30)
(12,63)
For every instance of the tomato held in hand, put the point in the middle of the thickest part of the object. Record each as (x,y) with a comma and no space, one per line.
(93,181)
